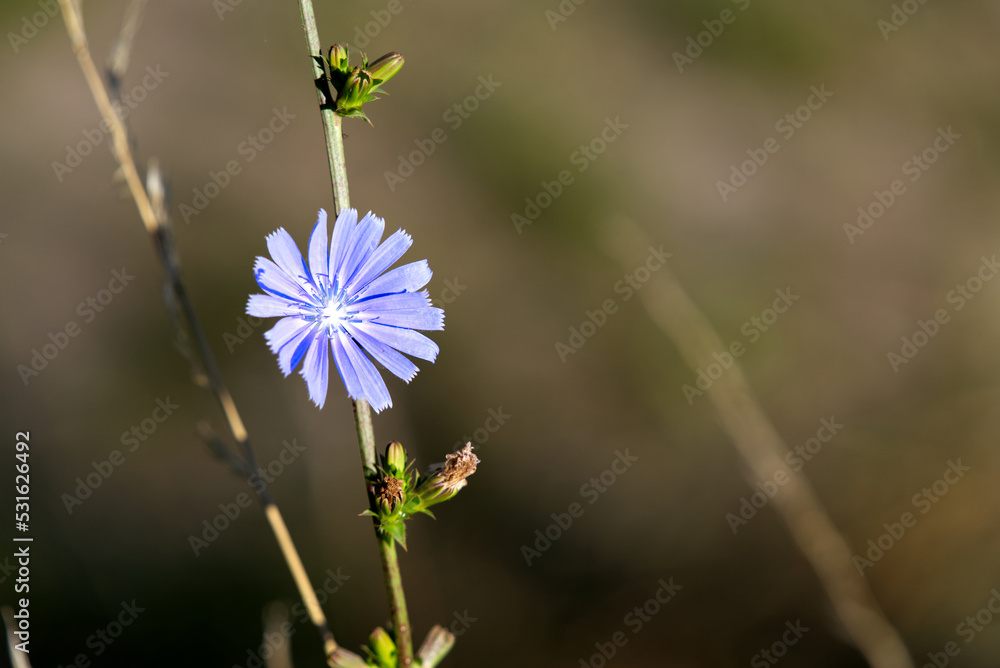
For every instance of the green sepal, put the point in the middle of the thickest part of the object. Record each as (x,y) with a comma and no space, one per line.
(357,113)
(395,531)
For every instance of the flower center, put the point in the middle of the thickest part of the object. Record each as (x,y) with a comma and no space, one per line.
(333,314)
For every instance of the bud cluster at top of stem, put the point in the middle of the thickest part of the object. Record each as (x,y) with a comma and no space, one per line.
(357,85)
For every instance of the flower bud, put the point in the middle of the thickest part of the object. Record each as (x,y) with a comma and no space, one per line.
(395,458)
(338,58)
(355,91)
(385,67)
(381,649)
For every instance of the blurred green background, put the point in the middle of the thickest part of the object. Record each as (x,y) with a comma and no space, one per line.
(510,296)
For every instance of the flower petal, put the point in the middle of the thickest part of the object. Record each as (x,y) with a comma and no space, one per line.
(373,388)
(408,278)
(358,373)
(363,241)
(285,339)
(286,255)
(405,341)
(273,279)
(342,230)
(398,365)
(266,306)
(316,368)
(418,318)
(319,258)
(395,302)
(345,368)
(384,257)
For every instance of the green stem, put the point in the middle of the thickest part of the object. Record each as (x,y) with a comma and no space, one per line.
(394,585)
(366,435)
(362,411)
(331,121)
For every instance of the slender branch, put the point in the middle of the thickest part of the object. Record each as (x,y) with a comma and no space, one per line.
(362,411)
(763,450)
(121,52)
(119,138)
(158,233)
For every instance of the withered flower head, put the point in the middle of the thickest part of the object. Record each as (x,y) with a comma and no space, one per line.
(446,478)
(459,465)
(389,491)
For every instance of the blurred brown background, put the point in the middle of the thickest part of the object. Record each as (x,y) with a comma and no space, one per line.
(520,293)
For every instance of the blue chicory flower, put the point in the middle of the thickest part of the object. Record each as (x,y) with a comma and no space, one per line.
(344,298)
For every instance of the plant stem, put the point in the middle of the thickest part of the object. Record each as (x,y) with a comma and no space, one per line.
(763,450)
(362,411)
(154,225)
(331,121)
(397,601)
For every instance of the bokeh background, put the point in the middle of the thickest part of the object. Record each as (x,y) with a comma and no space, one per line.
(230,64)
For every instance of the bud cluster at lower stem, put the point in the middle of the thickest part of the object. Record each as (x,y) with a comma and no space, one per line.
(399,492)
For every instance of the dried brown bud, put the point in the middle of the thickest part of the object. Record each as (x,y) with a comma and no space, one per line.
(459,465)
(389,491)
(449,477)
